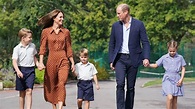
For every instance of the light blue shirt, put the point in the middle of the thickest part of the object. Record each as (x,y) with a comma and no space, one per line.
(85,71)
(25,54)
(126,32)
(172,65)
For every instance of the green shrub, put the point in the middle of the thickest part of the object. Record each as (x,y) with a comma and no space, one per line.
(102,72)
(8,77)
(39,76)
(1,76)
(8,84)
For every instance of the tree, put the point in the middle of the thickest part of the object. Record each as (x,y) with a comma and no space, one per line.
(90,27)
(166,19)
(90,20)
(17,14)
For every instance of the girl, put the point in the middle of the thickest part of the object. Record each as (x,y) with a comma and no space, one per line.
(172,82)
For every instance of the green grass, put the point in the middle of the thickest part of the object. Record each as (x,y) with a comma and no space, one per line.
(159,81)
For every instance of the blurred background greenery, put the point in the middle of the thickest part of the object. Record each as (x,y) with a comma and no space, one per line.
(90,21)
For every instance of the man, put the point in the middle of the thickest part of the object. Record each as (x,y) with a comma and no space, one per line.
(128,47)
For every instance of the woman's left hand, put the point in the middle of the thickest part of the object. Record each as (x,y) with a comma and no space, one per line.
(72,68)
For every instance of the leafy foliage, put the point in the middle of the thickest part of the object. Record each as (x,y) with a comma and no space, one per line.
(90,21)
(39,79)
(8,84)
(90,28)
(167,19)
(102,72)
(7,77)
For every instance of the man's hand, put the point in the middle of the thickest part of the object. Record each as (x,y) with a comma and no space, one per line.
(111,66)
(146,62)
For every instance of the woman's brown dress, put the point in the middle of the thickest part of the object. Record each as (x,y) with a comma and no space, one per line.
(57,66)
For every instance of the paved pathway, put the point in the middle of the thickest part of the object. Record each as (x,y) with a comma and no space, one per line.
(145,98)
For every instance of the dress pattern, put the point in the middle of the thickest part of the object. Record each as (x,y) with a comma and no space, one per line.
(57,66)
(172,66)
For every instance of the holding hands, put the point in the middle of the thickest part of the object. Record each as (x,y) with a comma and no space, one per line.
(72,68)
(146,62)
(41,66)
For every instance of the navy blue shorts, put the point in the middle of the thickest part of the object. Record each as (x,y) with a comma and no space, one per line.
(85,90)
(28,78)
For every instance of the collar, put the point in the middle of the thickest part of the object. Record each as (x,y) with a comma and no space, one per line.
(22,46)
(51,30)
(84,64)
(129,21)
(168,56)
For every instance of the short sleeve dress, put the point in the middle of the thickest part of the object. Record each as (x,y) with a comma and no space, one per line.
(172,66)
(57,66)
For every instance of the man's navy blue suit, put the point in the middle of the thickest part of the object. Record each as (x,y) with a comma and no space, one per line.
(126,65)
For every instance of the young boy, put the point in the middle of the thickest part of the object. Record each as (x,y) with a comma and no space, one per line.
(85,72)
(24,60)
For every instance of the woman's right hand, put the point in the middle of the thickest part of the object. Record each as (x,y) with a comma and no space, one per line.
(41,66)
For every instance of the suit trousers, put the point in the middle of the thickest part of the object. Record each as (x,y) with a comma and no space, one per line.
(125,70)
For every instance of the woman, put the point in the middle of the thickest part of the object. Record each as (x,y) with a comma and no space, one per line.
(56,40)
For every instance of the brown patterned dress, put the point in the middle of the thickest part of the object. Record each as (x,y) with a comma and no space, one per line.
(57,66)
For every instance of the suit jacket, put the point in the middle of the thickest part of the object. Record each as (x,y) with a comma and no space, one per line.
(139,46)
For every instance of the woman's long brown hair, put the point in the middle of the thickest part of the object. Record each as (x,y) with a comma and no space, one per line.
(47,20)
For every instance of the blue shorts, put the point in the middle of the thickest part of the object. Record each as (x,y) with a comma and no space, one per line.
(85,90)
(28,78)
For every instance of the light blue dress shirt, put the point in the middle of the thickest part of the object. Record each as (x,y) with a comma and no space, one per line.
(126,32)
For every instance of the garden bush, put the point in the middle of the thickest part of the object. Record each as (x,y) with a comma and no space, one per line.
(102,72)
(8,78)
(8,84)
(39,76)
